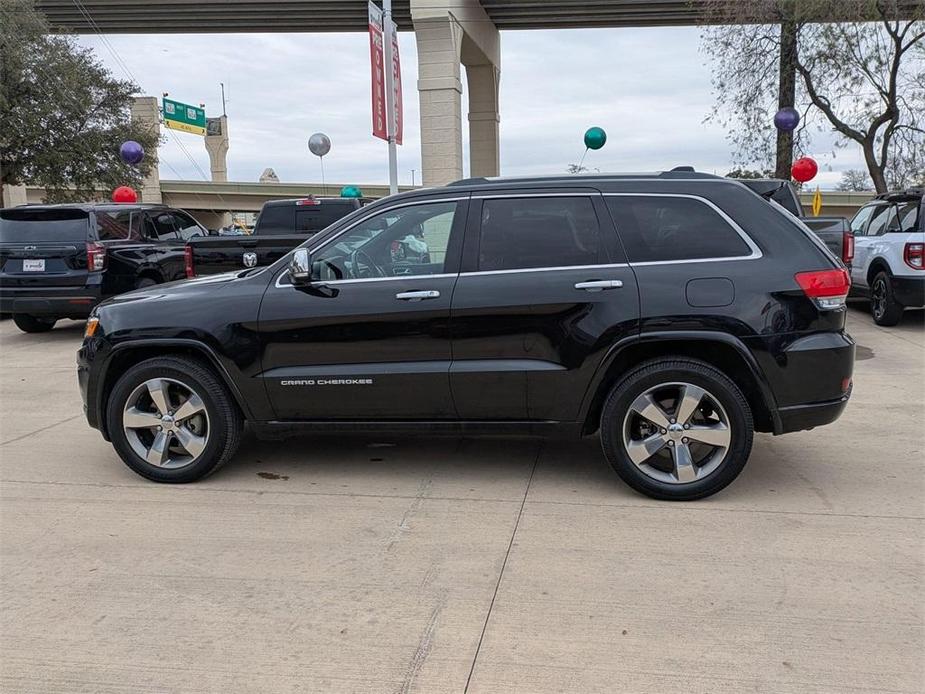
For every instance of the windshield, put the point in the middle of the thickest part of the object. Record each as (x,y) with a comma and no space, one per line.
(24,225)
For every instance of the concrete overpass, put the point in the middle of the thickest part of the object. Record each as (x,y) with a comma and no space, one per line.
(449,33)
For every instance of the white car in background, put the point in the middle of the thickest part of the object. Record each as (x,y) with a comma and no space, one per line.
(889,254)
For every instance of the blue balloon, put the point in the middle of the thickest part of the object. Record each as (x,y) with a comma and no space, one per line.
(131,152)
(787,119)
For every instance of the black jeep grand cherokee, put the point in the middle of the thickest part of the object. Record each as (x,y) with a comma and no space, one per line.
(676,313)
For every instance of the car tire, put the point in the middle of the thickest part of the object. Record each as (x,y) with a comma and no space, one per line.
(145,282)
(669,462)
(884,308)
(189,448)
(33,324)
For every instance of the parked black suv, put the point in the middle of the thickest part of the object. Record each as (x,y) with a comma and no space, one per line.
(677,313)
(59,261)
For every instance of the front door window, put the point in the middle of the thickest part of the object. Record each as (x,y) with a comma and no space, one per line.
(407,241)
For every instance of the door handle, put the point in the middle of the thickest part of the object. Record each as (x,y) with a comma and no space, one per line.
(418,295)
(598,285)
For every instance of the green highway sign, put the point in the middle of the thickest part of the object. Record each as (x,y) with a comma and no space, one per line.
(179,116)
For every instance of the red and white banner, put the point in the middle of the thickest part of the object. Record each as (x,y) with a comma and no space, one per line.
(377,67)
(396,85)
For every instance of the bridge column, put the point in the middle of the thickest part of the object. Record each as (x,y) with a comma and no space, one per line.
(484,155)
(450,33)
(146,110)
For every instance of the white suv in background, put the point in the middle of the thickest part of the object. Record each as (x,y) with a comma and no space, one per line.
(889,254)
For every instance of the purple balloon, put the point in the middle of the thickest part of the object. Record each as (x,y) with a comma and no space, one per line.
(131,152)
(787,119)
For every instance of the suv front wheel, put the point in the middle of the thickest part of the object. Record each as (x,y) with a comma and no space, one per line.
(676,429)
(172,420)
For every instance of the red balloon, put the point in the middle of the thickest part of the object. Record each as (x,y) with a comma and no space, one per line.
(804,169)
(124,194)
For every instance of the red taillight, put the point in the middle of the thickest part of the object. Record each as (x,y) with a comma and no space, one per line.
(188,261)
(827,288)
(914,255)
(96,256)
(847,248)
(310,200)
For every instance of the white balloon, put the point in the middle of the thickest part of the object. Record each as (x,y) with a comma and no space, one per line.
(319,144)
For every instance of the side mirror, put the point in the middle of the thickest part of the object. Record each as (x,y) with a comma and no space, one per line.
(300,266)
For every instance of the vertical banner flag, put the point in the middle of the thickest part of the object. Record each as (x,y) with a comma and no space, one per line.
(376,60)
(396,84)
(817,202)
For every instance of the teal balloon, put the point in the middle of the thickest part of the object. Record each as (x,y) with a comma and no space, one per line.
(595,138)
(351,192)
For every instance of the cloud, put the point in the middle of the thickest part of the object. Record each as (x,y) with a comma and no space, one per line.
(648,88)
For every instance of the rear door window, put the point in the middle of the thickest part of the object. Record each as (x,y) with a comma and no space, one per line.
(535,232)
(882,220)
(165,228)
(661,228)
(24,225)
(187,226)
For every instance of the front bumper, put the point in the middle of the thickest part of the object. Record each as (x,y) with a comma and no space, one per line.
(53,302)
(909,291)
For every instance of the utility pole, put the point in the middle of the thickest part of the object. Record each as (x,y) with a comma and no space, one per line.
(390,95)
(412,178)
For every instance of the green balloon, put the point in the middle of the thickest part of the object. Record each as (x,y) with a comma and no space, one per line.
(351,192)
(595,138)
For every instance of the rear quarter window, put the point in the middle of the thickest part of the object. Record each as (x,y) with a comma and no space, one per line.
(660,228)
(113,226)
(24,225)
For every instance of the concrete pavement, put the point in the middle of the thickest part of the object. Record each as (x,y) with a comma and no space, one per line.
(448,565)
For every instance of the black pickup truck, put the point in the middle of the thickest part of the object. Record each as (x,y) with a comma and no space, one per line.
(281,226)
(834,232)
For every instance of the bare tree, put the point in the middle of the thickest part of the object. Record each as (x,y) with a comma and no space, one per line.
(858,67)
(854,181)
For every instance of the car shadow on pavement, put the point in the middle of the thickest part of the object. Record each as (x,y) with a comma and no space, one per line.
(558,470)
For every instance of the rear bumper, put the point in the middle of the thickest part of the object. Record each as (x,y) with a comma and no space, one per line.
(809,376)
(909,291)
(57,302)
(817,414)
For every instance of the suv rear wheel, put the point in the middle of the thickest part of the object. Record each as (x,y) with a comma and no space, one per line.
(33,324)
(883,305)
(676,429)
(172,420)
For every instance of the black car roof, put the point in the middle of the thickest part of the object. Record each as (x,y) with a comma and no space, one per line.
(90,206)
(583,178)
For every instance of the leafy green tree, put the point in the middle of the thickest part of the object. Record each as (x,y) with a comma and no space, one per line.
(855,67)
(63,116)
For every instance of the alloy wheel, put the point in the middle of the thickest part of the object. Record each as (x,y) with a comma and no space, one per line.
(676,433)
(878,298)
(166,423)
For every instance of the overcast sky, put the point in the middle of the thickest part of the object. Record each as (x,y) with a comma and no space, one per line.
(648,88)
